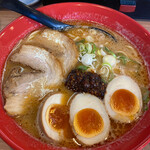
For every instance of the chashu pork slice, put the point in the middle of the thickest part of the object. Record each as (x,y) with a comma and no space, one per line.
(60,46)
(19,88)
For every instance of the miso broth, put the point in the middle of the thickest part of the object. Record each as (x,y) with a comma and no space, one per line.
(28,120)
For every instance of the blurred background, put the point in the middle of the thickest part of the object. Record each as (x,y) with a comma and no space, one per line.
(137,9)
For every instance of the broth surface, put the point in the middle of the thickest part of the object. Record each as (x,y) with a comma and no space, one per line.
(28,121)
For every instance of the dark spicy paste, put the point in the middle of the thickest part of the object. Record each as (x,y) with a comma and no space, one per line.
(88,82)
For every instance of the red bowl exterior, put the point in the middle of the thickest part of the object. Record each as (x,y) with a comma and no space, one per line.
(131,30)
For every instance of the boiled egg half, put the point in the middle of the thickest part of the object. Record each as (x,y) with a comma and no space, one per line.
(54,117)
(88,119)
(123,99)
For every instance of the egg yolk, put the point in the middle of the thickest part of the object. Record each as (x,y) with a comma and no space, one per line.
(88,123)
(124,102)
(57,117)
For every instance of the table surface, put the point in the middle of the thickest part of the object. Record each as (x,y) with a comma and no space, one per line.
(6,17)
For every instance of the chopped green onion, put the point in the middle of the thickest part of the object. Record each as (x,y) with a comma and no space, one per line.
(107,80)
(145,97)
(82,67)
(110,60)
(94,48)
(81,41)
(88,47)
(81,47)
(146,94)
(102,52)
(135,62)
(106,74)
(111,76)
(99,53)
(109,51)
(104,71)
(88,59)
(125,59)
(107,64)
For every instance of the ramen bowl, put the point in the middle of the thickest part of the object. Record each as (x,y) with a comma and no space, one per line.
(12,133)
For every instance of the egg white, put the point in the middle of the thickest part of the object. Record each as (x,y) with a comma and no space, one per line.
(48,129)
(127,83)
(83,101)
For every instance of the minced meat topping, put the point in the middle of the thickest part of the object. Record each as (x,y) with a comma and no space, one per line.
(88,82)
